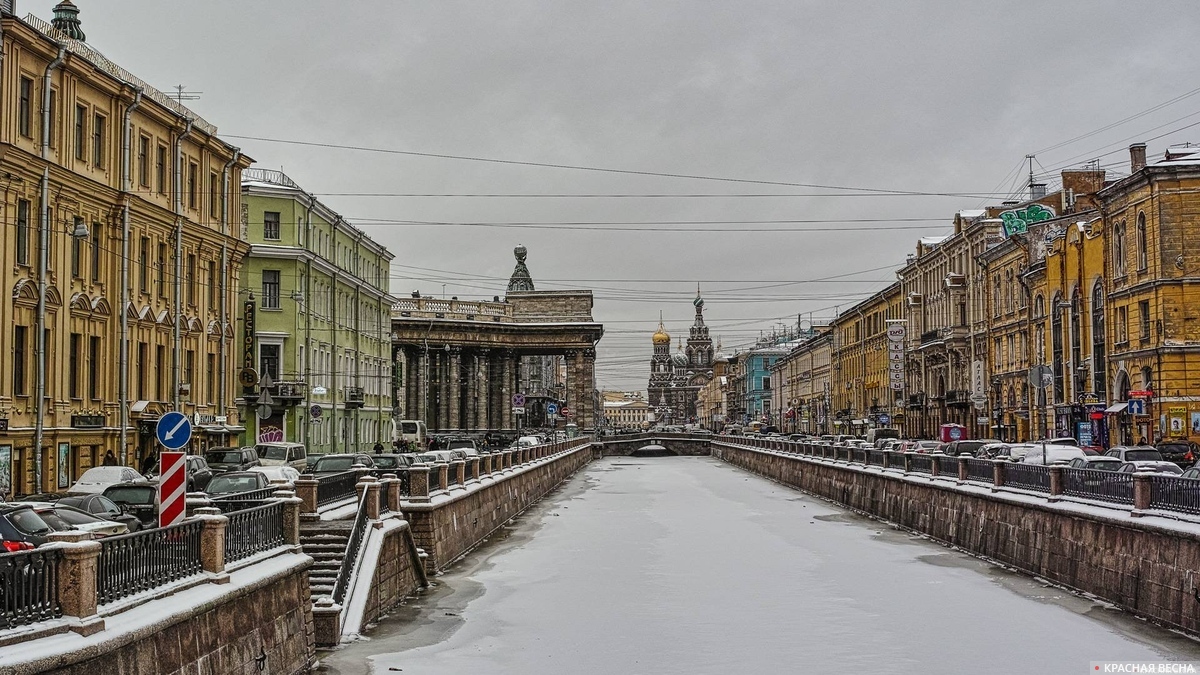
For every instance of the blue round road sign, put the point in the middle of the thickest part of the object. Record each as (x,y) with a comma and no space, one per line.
(552,408)
(173,430)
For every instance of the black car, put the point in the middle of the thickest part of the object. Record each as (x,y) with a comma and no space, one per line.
(393,462)
(339,463)
(198,473)
(140,501)
(235,482)
(1183,453)
(231,459)
(21,529)
(99,505)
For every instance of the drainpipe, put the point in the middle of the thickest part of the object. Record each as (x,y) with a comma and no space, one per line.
(187,130)
(43,272)
(308,310)
(221,369)
(126,187)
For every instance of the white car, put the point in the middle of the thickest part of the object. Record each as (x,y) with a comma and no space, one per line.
(1052,454)
(96,479)
(63,518)
(279,472)
(527,442)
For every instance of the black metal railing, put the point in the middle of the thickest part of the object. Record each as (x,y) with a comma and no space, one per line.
(139,561)
(403,476)
(29,587)
(1172,493)
(1108,486)
(921,463)
(253,530)
(875,457)
(357,533)
(385,495)
(336,487)
(238,501)
(1034,477)
(435,478)
(980,470)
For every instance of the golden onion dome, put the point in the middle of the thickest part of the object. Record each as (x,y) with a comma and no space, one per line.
(660,336)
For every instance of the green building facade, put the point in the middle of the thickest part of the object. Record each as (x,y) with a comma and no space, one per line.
(315,322)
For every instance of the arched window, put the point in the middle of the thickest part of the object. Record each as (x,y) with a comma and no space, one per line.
(1039,307)
(1099,343)
(1147,378)
(1056,338)
(1076,342)
(1119,249)
(1143,252)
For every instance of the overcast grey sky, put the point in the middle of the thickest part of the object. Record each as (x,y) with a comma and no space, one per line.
(926,96)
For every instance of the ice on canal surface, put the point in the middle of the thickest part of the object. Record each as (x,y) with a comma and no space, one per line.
(689,566)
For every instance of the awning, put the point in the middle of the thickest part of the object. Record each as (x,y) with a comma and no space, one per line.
(1120,407)
(222,429)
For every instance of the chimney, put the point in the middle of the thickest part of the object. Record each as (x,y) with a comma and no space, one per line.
(1037,190)
(66,19)
(1137,157)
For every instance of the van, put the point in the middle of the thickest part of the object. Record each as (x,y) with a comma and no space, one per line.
(874,436)
(279,454)
(411,431)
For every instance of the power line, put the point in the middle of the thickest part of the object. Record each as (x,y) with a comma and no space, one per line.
(1118,123)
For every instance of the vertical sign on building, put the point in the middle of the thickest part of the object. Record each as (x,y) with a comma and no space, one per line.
(897,333)
(172,488)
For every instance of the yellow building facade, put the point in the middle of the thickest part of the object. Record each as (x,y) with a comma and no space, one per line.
(861,393)
(120,240)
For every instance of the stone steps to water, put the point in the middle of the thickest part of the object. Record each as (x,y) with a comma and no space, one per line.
(326,544)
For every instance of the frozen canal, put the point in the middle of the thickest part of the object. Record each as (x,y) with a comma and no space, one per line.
(689,566)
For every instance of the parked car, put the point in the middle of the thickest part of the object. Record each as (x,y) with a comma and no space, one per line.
(925,446)
(1193,472)
(1134,453)
(104,507)
(1170,468)
(21,528)
(1183,453)
(96,479)
(198,473)
(138,501)
(232,459)
(1015,452)
(970,447)
(990,450)
(467,445)
(338,463)
(63,518)
(277,473)
(276,454)
(526,442)
(1045,453)
(234,482)
(393,462)
(435,456)
(1098,463)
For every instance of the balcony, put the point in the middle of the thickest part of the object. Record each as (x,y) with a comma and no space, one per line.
(290,393)
(930,336)
(916,401)
(958,397)
(355,397)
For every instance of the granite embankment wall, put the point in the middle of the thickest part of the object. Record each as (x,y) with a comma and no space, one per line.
(455,521)
(680,444)
(1146,565)
(398,574)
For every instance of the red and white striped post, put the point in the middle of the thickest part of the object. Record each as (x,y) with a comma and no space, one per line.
(172,488)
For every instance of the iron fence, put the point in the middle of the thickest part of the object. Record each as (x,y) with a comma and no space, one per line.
(435,478)
(335,487)
(385,495)
(253,530)
(1172,493)
(921,463)
(357,534)
(1035,477)
(139,561)
(947,465)
(980,470)
(1108,486)
(875,457)
(29,587)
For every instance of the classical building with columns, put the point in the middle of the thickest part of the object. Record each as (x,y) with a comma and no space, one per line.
(457,363)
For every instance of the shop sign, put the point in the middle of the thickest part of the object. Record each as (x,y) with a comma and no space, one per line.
(87,421)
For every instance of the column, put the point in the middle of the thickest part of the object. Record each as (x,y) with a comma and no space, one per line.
(443,388)
(571,392)
(470,374)
(410,384)
(422,388)
(454,388)
(587,376)
(483,409)
(506,390)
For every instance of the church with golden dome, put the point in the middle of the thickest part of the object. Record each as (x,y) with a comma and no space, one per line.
(676,379)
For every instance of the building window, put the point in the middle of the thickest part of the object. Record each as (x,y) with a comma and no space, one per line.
(269,360)
(99,130)
(81,112)
(1076,342)
(160,169)
(22,232)
(20,348)
(1122,328)
(191,279)
(270,289)
(1119,249)
(189,372)
(1143,253)
(144,265)
(1144,319)
(214,208)
(160,373)
(143,355)
(1099,344)
(271,225)
(1056,344)
(53,117)
(162,270)
(212,285)
(76,252)
(25,113)
(94,368)
(97,230)
(191,184)
(76,344)
(144,161)
(211,376)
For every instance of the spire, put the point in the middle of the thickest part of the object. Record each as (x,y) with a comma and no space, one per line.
(66,19)
(520,279)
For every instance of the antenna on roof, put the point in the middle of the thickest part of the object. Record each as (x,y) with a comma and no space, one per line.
(181,94)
